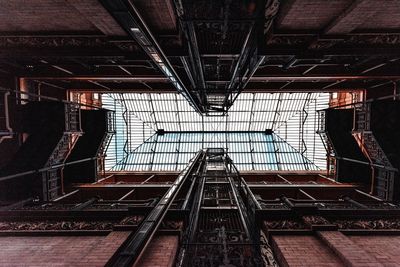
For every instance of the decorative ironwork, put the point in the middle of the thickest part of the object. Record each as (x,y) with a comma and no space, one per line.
(312,220)
(56,225)
(320,43)
(132,220)
(106,141)
(344,203)
(330,150)
(384,184)
(279,41)
(382,39)
(324,44)
(52,178)
(221,229)
(171,225)
(368,224)
(46,206)
(385,175)
(266,252)
(283,224)
(50,42)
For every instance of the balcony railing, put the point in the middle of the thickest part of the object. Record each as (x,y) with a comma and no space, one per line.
(330,151)
(52,179)
(383,177)
(106,142)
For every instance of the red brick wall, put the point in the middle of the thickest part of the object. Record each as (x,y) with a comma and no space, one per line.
(59,250)
(348,251)
(303,250)
(386,249)
(33,16)
(105,249)
(161,252)
(333,248)
(45,251)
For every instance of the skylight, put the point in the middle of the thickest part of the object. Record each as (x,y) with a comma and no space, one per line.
(249,151)
(291,117)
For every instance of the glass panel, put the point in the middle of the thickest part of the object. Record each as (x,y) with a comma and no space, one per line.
(136,146)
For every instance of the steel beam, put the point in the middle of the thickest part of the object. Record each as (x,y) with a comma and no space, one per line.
(330,52)
(300,78)
(196,71)
(272,78)
(128,16)
(136,244)
(44,169)
(138,79)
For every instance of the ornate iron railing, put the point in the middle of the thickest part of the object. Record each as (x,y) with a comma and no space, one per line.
(52,179)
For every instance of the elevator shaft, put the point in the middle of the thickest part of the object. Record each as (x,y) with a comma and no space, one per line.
(221,229)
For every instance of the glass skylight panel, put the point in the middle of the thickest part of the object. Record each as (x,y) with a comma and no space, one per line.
(171,152)
(140,115)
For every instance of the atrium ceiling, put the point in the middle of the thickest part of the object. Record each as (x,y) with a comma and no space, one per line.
(222,57)
(143,119)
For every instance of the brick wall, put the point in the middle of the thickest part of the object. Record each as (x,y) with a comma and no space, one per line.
(34,15)
(309,14)
(350,253)
(59,250)
(333,248)
(105,249)
(45,251)
(386,249)
(161,252)
(303,251)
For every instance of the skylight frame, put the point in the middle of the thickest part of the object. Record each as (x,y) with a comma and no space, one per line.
(251,113)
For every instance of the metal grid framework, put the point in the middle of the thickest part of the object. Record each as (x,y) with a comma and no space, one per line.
(292,117)
(249,151)
(130,131)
